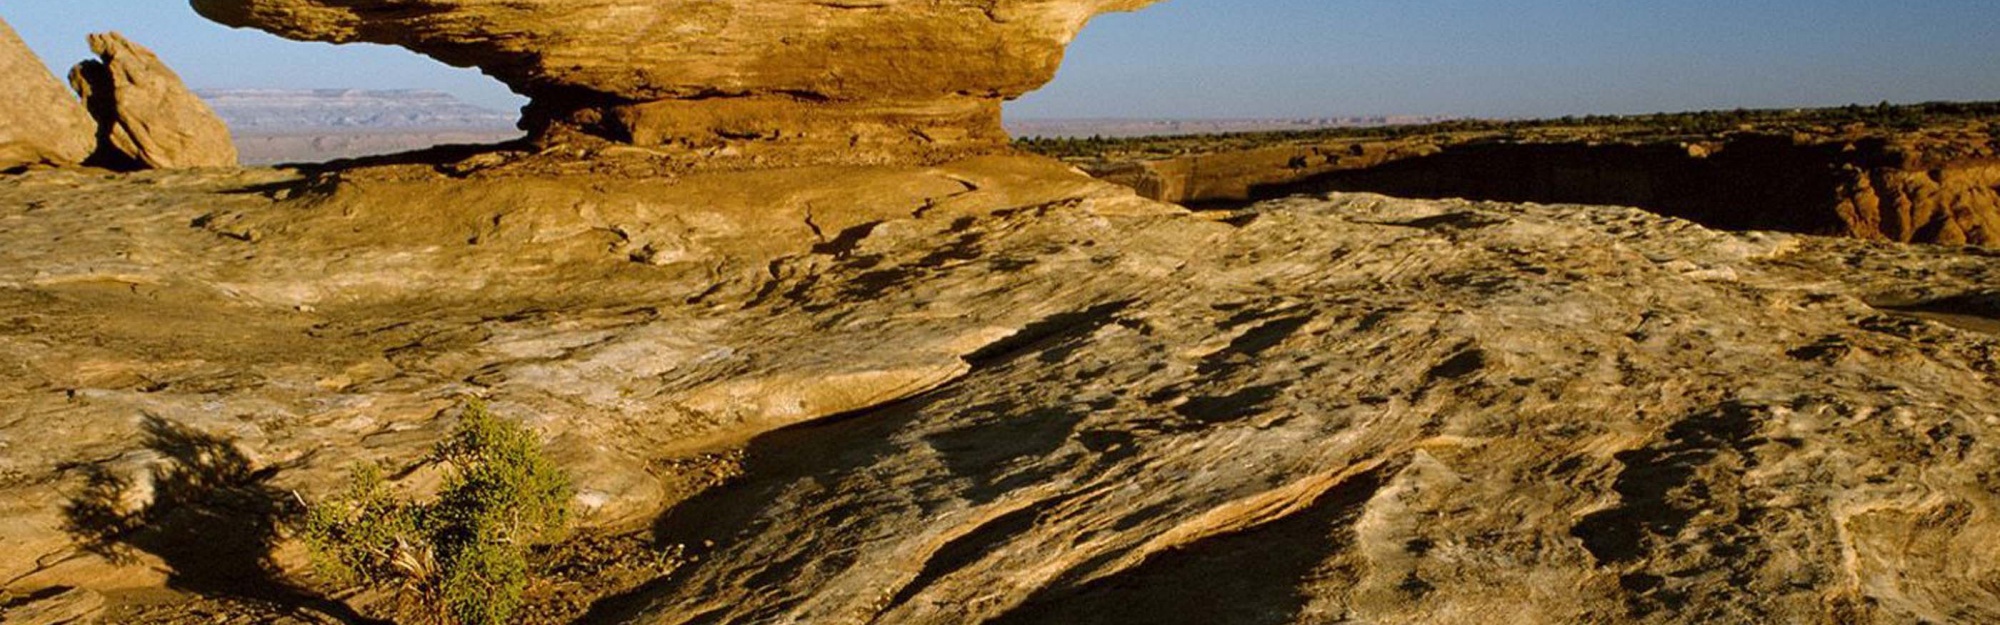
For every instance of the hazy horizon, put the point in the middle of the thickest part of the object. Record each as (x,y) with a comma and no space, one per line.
(1282,59)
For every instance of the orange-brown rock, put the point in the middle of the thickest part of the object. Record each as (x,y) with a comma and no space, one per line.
(1954,204)
(40,121)
(997,392)
(892,77)
(146,117)
(1939,186)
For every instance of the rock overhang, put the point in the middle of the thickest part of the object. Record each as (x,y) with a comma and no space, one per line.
(877,80)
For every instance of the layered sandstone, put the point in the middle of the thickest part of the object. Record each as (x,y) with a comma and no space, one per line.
(1057,403)
(889,77)
(40,121)
(146,117)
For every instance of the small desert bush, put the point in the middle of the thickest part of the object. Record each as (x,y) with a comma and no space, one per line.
(463,556)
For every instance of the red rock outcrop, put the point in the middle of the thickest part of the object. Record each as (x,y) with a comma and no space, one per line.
(40,121)
(1953,203)
(147,118)
(875,79)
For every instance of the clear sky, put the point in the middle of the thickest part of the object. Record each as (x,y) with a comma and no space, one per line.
(1293,58)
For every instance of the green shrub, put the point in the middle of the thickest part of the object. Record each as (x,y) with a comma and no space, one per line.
(464,555)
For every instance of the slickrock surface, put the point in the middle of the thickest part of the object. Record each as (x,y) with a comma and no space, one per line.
(40,121)
(853,80)
(1055,402)
(147,118)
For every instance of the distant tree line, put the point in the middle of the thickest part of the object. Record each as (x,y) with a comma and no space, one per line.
(1883,116)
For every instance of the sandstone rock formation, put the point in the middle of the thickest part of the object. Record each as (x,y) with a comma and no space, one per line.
(40,121)
(873,78)
(146,116)
(1058,403)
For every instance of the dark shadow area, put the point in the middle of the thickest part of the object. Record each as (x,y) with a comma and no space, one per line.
(1251,577)
(1653,475)
(1978,312)
(966,550)
(983,458)
(1040,334)
(1248,348)
(1212,410)
(213,519)
(312,184)
(1006,433)
(1754,182)
(1667,487)
(773,463)
(437,157)
(93,79)
(1462,364)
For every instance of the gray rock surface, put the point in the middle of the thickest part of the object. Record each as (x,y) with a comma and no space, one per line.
(147,118)
(1056,402)
(40,121)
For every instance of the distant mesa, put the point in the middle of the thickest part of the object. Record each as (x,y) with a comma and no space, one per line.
(293,111)
(274,126)
(852,80)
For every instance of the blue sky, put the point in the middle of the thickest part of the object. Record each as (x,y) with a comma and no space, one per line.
(1291,58)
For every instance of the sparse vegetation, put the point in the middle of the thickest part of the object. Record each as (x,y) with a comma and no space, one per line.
(1883,116)
(461,558)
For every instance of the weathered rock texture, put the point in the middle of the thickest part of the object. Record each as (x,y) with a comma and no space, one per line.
(146,117)
(875,78)
(1940,186)
(1060,403)
(40,121)
(67,606)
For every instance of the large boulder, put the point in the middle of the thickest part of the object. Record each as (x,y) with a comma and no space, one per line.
(40,121)
(147,118)
(736,73)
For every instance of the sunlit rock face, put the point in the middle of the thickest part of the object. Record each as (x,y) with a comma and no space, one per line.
(889,76)
(40,121)
(147,118)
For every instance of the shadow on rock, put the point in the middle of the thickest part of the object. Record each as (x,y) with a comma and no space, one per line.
(984,450)
(1248,577)
(212,518)
(773,463)
(831,450)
